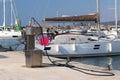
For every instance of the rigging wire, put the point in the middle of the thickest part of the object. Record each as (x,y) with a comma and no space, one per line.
(14,12)
(15,9)
(17,20)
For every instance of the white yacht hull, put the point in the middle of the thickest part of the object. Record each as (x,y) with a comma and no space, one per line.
(10,34)
(95,48)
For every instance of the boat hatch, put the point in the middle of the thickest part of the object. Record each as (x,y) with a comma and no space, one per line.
(73,39)
(96,46)
(14,36)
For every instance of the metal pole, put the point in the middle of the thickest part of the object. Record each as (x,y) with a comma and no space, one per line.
(98,14)
(4,13)
(57,16)
(116,15)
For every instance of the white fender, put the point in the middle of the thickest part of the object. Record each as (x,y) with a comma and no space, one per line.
(109,47)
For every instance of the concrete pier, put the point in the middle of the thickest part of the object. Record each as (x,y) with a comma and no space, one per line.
(12,67)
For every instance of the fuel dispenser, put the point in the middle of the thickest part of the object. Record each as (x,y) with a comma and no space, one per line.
(33,57)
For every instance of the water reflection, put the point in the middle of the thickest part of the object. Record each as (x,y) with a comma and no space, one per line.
(114,61)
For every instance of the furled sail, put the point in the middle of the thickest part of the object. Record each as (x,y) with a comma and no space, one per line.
(93,17)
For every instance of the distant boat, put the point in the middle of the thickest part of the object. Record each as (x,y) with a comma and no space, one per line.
(12,32)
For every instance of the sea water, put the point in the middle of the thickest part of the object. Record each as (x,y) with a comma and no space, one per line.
(12,43)
(113,61)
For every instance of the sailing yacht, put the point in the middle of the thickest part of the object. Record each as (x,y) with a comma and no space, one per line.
(79,45)
(9,31)
(10,36)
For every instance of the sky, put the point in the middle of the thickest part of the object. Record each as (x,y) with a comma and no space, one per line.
(40,9)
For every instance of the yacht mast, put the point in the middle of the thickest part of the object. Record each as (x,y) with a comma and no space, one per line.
(98,14)
(11,13)
(116,22)
(4,12)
